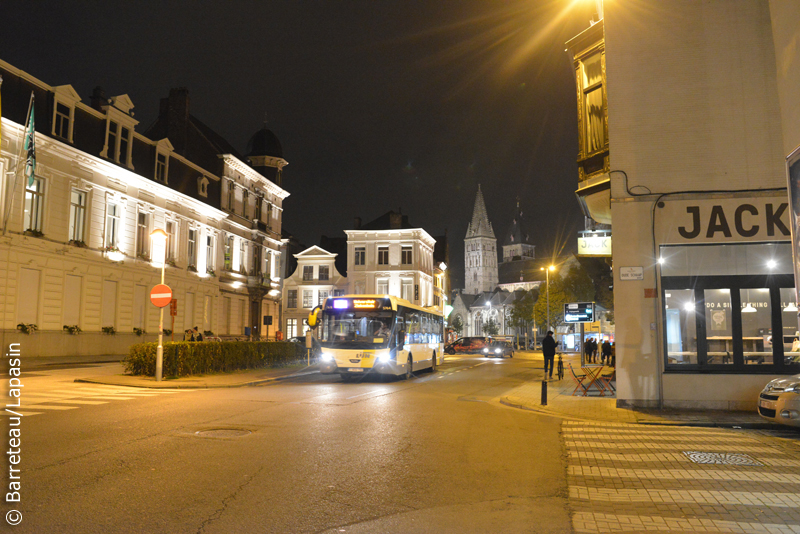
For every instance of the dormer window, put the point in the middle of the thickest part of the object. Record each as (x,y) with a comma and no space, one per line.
(162,167)
(62,122)
(118,143)
(202,186)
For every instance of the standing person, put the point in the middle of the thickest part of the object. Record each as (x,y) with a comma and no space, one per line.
(587,350)
(605,356)
(187,335)
(197,336)
(549,352)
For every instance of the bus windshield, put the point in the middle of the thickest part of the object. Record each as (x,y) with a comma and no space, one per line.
(356,329)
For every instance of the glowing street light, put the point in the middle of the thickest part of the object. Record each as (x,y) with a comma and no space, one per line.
(159,237)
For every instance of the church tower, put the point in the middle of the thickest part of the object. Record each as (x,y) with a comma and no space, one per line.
(517,245)
(480,251)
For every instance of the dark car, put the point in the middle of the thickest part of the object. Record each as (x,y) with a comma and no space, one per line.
(499,349)
(466,345)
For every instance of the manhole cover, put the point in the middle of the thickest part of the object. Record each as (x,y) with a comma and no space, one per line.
(723,458)
(222,433)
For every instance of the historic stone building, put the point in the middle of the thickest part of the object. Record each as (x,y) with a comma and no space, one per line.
(480,251)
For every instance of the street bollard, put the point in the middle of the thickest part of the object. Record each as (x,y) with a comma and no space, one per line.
(544,392)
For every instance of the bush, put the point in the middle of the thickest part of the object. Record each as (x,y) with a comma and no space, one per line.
(185,358)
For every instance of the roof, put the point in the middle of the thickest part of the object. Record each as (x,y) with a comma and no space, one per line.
(517,232)
(480,226)
(264,143)
(388,221)
(511,272)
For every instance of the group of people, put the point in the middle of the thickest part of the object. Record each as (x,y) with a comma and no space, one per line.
(606,352)
(193,334)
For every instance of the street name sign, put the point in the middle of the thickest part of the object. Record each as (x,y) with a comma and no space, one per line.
(161,295)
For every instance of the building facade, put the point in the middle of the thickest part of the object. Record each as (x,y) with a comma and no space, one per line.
(389,257)
(692,180)
(75,253)
(315,279)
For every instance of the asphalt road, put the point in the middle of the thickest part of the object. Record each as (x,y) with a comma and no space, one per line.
(434,454)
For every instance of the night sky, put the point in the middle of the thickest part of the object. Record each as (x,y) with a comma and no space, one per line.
(378,105)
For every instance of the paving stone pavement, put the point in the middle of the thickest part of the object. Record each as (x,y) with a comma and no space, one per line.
(639,478)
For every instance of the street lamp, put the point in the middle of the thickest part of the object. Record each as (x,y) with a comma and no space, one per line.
(547,289)
(158,237)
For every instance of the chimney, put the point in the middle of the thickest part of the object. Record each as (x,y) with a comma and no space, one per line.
(395,220)
(99,98)
(357,223)
(175,109)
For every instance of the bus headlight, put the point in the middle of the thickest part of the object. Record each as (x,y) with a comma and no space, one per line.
(326,357)
(383,357)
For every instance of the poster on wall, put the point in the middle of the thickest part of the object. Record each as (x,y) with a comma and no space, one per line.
(793,174)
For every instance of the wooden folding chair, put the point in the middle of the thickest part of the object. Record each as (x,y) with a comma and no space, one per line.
(607,379)
(578,378)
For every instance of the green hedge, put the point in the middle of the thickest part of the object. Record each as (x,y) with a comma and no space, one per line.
(184,358)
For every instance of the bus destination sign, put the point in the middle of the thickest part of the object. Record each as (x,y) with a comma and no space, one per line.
(358,304)
(579,312)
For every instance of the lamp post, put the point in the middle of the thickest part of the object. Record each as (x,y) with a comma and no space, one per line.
(158,237)
(547,290)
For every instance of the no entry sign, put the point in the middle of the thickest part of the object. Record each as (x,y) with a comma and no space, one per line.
(161,295)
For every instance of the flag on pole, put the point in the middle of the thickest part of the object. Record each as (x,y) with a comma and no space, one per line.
(30,147)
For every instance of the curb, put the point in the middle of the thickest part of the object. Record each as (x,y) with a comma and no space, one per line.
(696,424)
(196,386)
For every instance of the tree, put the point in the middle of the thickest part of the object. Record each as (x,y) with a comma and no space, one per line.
(457,325)
(491,328)
(521,313)
(573,286)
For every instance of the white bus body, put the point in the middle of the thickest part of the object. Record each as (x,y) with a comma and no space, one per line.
(362,334)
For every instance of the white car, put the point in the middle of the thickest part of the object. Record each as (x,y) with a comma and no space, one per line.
(779,401)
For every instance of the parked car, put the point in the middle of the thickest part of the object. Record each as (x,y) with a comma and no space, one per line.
(779,401)
(466,345)
(499,348)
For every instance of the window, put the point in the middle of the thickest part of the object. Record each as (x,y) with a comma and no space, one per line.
(77,215)
(124,143)
(256,258)
(142,234)
(245,202)
(593,114)
(112,225)
(34,205)
(192,250)
(360,257)
(308,273)
(231,195)
(322,296)
(338,292)
(267,262)
(406,256)
(209,253)
(268,218)
(228,253)
(408,286)
(308,298)
(291,327)
(291,298)
(257,209)
(162,164)
(172,234)
(383,255)
(111,141)
(202,186)
(62,122)
(382,286)
(323,272)
(242,256)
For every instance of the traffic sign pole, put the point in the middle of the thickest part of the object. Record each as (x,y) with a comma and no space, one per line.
(160,296)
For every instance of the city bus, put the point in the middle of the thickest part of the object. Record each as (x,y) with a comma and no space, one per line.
(361,334)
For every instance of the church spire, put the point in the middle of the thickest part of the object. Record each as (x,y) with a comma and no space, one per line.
(480,226)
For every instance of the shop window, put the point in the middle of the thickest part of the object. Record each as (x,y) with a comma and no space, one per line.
(790,328)
(756,325)
(680,310)
(719,326)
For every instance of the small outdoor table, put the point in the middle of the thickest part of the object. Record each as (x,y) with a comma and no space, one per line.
(593,373)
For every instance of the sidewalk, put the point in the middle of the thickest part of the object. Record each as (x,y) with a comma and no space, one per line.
(561,403)
(250,377)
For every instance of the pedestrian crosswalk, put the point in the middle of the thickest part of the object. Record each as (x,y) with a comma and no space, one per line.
(636,478)
(35,402)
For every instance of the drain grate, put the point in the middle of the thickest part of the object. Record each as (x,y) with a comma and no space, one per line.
(222,433)
(723,458)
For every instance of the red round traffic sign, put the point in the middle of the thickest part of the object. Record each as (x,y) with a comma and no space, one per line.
(161,295)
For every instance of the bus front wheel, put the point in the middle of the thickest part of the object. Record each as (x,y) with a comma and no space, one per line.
(409,368)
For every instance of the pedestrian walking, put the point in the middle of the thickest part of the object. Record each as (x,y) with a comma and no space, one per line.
(587,349)
(549,352)
(605,355)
